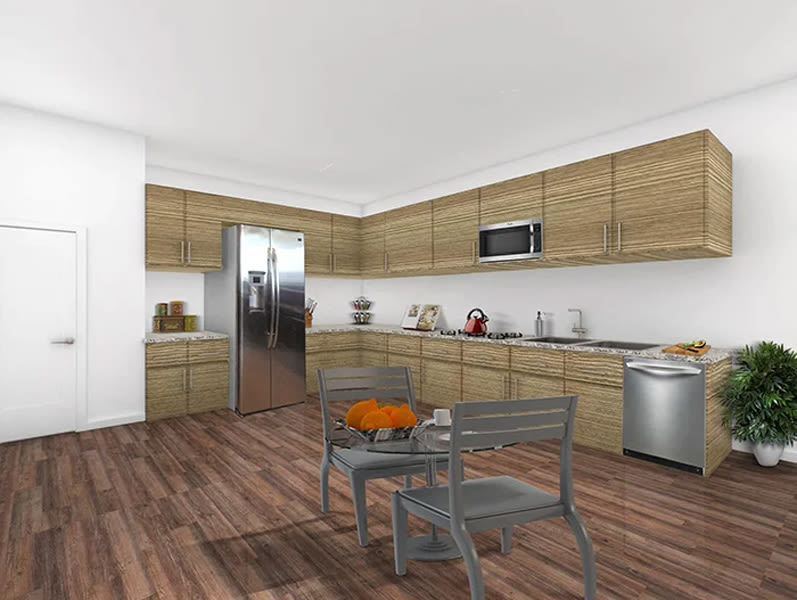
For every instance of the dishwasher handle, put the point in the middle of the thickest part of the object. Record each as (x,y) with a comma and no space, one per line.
(662,370)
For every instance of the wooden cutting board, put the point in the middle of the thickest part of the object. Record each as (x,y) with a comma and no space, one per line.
(680,349)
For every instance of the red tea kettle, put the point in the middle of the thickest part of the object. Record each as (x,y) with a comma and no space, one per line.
(477,322)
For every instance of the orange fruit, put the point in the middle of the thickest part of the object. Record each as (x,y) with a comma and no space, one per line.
(358,411)
(389,409)
(404,417)
(376,420)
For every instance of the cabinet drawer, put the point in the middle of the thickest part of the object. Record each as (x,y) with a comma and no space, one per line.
(209,376)
(374,342)
(450,350)
(550,363)
(166,354)
(495,356)
(404,344)
(208,350)
(605,369)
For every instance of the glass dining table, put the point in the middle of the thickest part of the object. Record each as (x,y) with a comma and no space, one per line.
(432,443)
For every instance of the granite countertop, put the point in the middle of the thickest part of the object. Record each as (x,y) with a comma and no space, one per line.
(183,336)
(712,356)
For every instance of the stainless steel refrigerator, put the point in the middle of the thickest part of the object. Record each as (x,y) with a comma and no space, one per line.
(258,300)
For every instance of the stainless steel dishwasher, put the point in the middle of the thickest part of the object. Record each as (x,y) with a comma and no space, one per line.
(664,412)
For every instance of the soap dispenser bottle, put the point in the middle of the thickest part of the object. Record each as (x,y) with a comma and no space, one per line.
(538,325)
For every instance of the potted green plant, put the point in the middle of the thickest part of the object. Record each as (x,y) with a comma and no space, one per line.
(760,399)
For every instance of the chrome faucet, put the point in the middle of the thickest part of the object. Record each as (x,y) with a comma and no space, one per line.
(578,328)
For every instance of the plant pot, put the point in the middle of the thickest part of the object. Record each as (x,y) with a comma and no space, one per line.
(768,455)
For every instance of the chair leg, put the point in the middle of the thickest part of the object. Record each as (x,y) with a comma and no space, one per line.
(400,534)
(472,565)
(587,553)
(325,484)
(360,510)
(506,539)
(407,481)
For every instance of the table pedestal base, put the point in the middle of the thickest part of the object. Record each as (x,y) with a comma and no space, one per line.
(432,547)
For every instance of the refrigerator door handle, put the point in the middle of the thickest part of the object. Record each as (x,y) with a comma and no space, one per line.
(273,279)
(275,329)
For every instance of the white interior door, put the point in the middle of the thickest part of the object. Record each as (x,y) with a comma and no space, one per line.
(38,320)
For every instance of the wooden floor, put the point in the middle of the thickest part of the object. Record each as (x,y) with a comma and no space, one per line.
(213,506)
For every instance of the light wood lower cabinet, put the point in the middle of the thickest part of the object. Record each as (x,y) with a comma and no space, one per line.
(599,415)
(441,381)
(186,378)
(484,383)
(526,385)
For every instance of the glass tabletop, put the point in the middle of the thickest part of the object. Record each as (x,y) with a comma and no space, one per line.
(432,440)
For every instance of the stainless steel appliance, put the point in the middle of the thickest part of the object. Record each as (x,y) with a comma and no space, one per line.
(258,300)
(664,412)
(516,240)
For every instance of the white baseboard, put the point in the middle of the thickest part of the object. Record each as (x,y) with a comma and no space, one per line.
(789,455)
(112,421)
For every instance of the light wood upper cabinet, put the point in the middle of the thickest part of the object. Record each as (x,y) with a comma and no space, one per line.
(517,199)
(317,229)
(408,238)
(203,244)
(165,221)
(455,230)
(577,209)
(372,245)
(346,245)
(660,194)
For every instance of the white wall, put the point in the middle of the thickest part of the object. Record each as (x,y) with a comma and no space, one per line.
(730,301)
(164,287)
(240,189)
(64,172)
(334,298)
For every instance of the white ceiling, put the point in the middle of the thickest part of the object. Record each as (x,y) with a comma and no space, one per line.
(361,99)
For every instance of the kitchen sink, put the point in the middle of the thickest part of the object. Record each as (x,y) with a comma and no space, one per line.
(556,340)
(619,345)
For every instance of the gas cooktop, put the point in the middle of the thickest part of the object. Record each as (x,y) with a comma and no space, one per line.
(493,335)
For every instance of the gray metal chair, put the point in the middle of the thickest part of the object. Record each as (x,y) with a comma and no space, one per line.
(501,502)
(351,384)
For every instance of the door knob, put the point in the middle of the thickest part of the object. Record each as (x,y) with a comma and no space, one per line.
(67,340)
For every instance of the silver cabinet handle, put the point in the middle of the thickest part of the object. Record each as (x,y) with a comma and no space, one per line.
(334,262)
(185,375)
(331,268)
(517,388)
(189,252)
(619,236)
(475,258)
(605,237)
(67,340)
(505,392)
(182,252)
(190,379)
(386,267)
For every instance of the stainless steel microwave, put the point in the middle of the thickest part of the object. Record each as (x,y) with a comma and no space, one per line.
(516,240)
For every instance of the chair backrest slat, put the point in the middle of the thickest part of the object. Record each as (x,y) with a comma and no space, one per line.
(495,439)
(470,409)
(515,421)
(353,384)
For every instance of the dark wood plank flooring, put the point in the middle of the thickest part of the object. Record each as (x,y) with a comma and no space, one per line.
(214,506)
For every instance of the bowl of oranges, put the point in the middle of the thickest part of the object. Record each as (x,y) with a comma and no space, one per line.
(380,422)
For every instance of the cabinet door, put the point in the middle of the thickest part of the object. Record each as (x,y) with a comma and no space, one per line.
(599,415)
(208,387)
(203,244)
(414,363)
(455,231)
(408,238)
(484,383)
(516,199)
(317,228)
(372,248)
(345,245)
(659,195)
(165,222)
(577,209)
(166,392)
(441,382)
(525,385)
